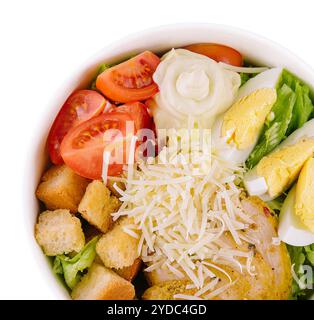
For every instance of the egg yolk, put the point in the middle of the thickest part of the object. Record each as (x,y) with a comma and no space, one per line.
(304,200)
(281,168)
(243,122)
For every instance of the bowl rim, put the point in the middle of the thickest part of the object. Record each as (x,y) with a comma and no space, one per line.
(88,67)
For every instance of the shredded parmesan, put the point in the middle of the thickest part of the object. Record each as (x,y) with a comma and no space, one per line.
(186,205)
(106,161)
(218,291)
(276,241)
(243,69)
(131,157)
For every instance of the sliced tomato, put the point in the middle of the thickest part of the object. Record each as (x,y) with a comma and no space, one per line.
(139,114)
(131,80)
(80,106)
(109,107)
(83,147)
(141,120)
(217,52)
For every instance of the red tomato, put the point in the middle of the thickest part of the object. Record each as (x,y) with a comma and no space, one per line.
(79,107)
(139,114)
(217,52)
(83,147)
(109,107)
(131,80)
(142,120)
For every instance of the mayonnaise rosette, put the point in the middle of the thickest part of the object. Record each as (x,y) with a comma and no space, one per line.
(192,89)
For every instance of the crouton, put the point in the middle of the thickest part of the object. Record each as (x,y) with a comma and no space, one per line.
(110,186)
(97,205)
(167,290)
(101,283)
(59,232)
(117,249)
(129,273)
(61,188)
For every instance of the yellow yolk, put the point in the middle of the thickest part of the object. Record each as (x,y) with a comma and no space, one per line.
(281,168)
(243,122)
(304,200)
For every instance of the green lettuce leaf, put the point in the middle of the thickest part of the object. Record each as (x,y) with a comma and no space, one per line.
(303,108)
(276,204)
(72,268)
(292,109)
(101,69)
(310,253)
(275,128)
(245,77)
(300,257)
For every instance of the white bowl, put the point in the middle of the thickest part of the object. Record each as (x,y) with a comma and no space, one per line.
(255,48)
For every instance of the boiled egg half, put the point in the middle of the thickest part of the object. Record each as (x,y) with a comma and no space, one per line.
(277,171)
(296,220)
(236,132)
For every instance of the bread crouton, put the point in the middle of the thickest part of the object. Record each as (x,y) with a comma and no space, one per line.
(97,205)
(117,249)
(61,188)
(110,186)
(167,290)
(101,283)
(129,273)
(59,232)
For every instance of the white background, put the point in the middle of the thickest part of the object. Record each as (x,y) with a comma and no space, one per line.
(41,42)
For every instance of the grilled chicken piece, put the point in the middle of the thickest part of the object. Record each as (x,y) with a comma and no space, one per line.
(243,286)
(276,256)
(272,275)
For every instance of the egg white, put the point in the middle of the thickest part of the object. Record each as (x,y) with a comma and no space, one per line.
(291,230)
(266,79)
(229,151)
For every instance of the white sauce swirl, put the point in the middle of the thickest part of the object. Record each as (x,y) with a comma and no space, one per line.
(191,86)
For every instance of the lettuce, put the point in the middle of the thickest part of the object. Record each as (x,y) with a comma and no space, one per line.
(275,129)
(276,204)
(72,268)
(245,77)
(310,253)
(292,109)
(303,107)
(301,257)
(100,70)
(294,106)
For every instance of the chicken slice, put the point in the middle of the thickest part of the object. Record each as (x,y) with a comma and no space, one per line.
(271,278)
(274,254)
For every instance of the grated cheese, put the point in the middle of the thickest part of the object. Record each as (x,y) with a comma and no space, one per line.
(276,241)
(184,210)
(218,291)
(243,69)
(131,157)
(208,287)
(106,161)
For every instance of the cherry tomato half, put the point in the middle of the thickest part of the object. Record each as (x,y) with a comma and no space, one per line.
(139,114)
(83,147)
(217,52)
(80,106)
(131,80)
